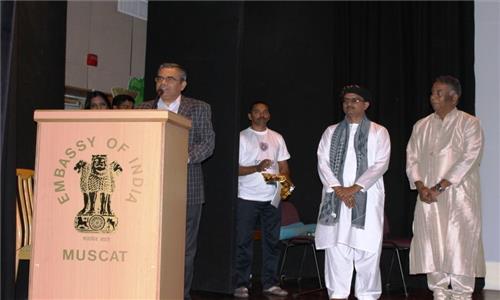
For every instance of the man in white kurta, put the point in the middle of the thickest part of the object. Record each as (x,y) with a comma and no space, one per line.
(348,244)
(443,157)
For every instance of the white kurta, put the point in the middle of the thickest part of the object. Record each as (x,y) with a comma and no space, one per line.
(447,233)
(370,238)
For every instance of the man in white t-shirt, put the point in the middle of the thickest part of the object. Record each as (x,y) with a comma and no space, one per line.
(352,157)
(261,150)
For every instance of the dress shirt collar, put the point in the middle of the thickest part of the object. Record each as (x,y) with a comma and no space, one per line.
(173,107)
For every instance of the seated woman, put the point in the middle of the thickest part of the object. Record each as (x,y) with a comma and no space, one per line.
(97,100)
(123,102)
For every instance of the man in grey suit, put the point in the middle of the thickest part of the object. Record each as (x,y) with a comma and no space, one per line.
(171,80)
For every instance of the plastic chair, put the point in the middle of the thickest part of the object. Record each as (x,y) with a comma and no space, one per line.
(396,245)
(24,215)
(299,235)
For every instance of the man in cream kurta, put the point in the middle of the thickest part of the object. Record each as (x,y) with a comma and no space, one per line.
(443,157)
(347,240)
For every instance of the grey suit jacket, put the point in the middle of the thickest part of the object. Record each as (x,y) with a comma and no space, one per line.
(201,142)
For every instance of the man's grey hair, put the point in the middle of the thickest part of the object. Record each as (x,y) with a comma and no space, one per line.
(452,82)
(174,66)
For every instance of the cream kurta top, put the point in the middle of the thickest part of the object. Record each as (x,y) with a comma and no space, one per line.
(447,233)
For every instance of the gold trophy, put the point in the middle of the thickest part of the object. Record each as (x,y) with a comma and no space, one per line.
(286,186)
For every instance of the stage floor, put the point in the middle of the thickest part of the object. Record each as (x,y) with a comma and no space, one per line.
(308,292)
(295,294)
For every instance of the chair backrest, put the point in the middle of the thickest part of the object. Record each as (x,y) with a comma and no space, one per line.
(24,206)
(289,214)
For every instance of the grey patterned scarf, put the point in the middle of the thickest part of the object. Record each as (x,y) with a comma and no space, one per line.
(330,208)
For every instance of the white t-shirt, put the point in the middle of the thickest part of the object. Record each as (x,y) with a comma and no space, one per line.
(256,146)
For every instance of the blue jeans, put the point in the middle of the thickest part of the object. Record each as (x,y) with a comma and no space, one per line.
(247,214)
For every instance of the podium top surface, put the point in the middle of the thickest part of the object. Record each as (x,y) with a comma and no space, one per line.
(118,115)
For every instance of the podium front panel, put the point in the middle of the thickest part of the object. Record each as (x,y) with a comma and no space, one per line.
(99,201)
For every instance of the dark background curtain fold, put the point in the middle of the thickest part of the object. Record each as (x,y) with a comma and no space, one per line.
(7,163)
(297,56)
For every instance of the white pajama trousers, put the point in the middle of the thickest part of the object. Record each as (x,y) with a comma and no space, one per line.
(461,286)
(340,261)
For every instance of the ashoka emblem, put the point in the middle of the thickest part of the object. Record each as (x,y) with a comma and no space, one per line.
(96,222)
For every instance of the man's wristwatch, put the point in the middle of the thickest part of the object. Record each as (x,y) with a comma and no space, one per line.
(438,187)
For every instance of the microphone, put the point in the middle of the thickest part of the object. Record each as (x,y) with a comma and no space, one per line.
(159,92)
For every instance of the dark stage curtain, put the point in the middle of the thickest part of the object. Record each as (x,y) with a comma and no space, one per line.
(297,56)
(397,50)
(205,37)
(32,78)
(7,163)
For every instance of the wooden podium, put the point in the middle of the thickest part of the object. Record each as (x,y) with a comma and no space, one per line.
(110,205)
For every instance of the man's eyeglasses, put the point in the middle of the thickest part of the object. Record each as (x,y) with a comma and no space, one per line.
(159,79)
(352,100)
